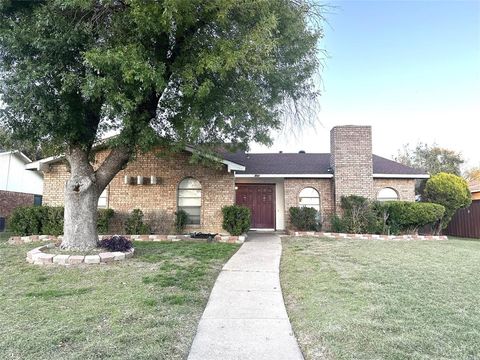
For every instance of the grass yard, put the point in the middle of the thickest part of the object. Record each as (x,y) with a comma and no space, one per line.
(359,299)
(146,308)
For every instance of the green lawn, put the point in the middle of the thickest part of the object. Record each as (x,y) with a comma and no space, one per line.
(145,308)
(359,299)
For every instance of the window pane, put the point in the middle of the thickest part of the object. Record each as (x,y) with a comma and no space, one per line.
(190,183)
(193,214)
(189,193)
(309,197)
(189,202)
(309,192)
(387,194)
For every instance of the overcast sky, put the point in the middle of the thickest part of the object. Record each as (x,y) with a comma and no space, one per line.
(411,69)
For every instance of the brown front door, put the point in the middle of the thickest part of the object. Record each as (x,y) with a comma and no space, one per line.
(260,199)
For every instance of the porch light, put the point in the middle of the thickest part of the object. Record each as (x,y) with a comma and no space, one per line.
(126,180)
(139,180)
(153,180)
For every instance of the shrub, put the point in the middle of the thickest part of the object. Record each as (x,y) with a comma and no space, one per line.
(27,220)
(103,220)
(115,243)
(52,223)
(48,220)
(305,218)
(337,224)
(448,190)
(135,224)
(160,221)
(236,219)
(181,218)
(360,215)
(408,217)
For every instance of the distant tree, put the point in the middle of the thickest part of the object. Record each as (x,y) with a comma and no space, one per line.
(9,142)
(448,190)
(472,174)
(199,72)
(431,158)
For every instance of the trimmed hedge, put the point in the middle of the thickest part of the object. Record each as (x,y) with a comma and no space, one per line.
(361,215)
(305,218)
(48,220)
(236,219)
(404,216)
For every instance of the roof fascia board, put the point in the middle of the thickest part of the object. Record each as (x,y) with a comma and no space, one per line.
(401,176)
(320,176)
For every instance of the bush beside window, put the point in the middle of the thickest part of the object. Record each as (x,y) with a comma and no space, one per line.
(48,220)
(181,220)
(236,219)
(361,215)
(134,224)
(305,219)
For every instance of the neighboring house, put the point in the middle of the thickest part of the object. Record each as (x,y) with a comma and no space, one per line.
(474,186)
(269,184)
(18,187)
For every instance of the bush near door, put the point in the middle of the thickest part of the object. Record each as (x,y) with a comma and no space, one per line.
(236,219)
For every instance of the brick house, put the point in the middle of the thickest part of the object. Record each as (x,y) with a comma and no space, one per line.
(269,184)
(18,187)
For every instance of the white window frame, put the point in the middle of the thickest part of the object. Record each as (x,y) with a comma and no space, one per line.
(312,204)
(183,207)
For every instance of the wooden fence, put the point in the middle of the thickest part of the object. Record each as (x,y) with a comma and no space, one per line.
(466,222)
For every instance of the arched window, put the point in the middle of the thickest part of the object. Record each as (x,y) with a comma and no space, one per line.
(190,199)
(387,194)
(309,197)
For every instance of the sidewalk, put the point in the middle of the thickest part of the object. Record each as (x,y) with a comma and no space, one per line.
(245,317)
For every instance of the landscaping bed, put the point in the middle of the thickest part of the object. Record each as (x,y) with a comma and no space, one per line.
(144,308)
(355,299)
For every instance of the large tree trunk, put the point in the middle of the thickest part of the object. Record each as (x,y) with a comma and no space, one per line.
(81,201)
(81,196)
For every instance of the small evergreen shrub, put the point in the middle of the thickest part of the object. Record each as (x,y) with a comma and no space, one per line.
(52,223)
(115,243)
(448,190)
(103,220)
(408,217)
(337,224)
(135,225)
(181,219)
(27,220)
(236,219)
(305,219)
(48,220)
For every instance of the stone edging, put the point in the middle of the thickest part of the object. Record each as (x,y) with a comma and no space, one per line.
(19,240)
(38,257)
(366,236)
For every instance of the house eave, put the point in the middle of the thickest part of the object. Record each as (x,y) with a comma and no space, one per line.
(401,176)
(310,176)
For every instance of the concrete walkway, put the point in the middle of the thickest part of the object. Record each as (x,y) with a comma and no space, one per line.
(245,317)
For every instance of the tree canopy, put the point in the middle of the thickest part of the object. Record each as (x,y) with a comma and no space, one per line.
(198,72)
(431,158)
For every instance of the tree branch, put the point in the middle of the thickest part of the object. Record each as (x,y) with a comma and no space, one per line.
(114,162)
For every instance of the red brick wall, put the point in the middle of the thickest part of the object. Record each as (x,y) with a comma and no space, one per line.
(323,186)
(218,188)
(405,188)
(10,200)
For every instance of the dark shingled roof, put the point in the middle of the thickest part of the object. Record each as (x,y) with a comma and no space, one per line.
(309,163)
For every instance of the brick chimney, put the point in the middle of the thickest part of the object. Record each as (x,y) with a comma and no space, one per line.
(351,161)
